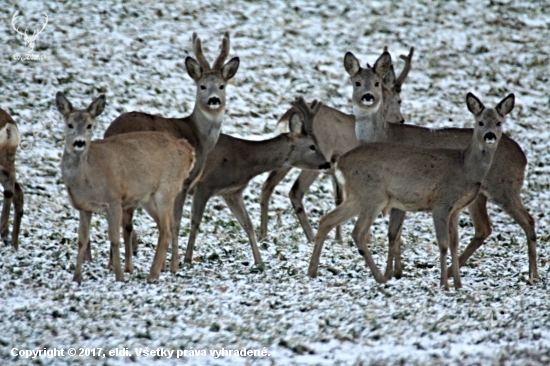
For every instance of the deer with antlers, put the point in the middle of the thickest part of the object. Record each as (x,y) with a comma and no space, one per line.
(335,133)
(28,39)
(234,162)
(201,128)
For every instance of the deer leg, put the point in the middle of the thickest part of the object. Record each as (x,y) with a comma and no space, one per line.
(162,212)
(394,248)
(340,214)
(178,212)
(274,178)
(338,199)
(200,199)
(482,225)
(83,242)
(127,230)
(361,236)
(236,205)
(9,188)
(519,213)
(454,239)
(18,201)
(114,220)
(296,194)
(441,222)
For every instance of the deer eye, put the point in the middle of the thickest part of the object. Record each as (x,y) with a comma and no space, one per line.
(399,102)
(203,87)
(221,87)
(377,84)
(312,147)
(481,124)
(498,124)
(89,127)
(70,125)
(357,83)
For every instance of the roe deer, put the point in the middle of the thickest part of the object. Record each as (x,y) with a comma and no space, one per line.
(380,176)
(118,173)
(9,141)
(201,129)
(234,162)
(335,132)
(502,184)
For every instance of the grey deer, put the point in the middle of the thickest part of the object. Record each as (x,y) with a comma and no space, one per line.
(117,173)
(335,132)
(201,129)
(234,162)
(380,176)
(502,185)
(13,193)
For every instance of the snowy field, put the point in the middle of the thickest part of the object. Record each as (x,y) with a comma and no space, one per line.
(134,53)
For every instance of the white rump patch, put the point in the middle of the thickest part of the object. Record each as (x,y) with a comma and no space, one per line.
(9,135)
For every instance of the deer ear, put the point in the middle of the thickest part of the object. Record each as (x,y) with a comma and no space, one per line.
(382,65)
(295,123)
(389,78)
(63,105)
(474,105)
(194,70)
(506,105)
(97,106)
(351,64)
(230,68)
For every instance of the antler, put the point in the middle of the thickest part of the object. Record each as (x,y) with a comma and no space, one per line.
(399,81)
(308,112)
(197,50)
(223,54)
(13,20)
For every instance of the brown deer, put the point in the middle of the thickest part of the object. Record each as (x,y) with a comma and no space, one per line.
(201,129)
(335,132)
(502,185)
(234,162)
(119,173)
(380,176)
(9,141)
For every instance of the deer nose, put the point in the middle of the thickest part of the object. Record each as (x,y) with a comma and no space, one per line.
(79,144)
(490,138)
(402,121)
(214,100)
(367,99)
(325,166)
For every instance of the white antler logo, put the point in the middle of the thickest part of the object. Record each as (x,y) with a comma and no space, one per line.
(28,39)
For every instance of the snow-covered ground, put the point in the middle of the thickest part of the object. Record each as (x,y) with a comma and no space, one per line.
(134,53)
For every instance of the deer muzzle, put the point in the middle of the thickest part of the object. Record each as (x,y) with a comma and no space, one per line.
(490,138)
(79,144)
(214,103)
(367,99)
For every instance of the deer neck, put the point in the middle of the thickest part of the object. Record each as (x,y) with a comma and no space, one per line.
(270,154)
(72,166)
(477,160)
(208,126)
(369,126)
